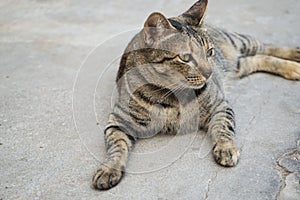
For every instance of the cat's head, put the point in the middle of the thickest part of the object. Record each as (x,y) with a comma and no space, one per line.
(177,48)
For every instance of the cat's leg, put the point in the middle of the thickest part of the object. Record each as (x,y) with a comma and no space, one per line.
(221,129)
(110,172)
(263,63)
(287,53)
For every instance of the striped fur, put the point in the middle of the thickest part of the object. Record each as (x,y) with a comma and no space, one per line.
(171,80)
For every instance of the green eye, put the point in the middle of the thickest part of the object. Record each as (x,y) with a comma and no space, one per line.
(185,57)
(210,52)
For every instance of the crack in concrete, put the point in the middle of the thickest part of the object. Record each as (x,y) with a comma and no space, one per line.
(284,172)
(209,185)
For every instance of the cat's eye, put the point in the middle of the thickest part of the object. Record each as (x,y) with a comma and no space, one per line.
(210,52)
(185,57)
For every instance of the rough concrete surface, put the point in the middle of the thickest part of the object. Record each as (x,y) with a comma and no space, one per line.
(43,155)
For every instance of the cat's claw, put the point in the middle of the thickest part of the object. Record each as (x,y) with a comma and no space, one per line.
(226,154)
(106,177)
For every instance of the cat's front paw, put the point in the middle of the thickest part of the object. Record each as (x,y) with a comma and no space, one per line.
(106,177)
(226,153)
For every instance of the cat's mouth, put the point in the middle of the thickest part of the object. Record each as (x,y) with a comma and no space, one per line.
(195,82)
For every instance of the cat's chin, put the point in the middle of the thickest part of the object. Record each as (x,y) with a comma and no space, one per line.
(196,86)
(193,85)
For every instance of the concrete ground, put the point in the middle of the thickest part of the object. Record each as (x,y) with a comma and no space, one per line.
(50,148)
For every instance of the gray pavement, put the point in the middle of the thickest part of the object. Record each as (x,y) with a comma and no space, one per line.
(50,148)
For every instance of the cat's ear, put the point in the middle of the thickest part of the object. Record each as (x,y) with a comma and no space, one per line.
(155,27)
(195,14)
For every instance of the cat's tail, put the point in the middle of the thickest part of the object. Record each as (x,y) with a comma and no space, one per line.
(258,57)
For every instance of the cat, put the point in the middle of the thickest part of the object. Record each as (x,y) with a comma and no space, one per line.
(172,76)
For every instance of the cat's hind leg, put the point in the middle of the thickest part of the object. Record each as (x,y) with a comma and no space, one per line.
(111,171)
(271,64)
(288,53)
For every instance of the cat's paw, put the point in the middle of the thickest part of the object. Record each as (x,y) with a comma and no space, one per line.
(292,71)
(106,177)
(226,153)
(295,54)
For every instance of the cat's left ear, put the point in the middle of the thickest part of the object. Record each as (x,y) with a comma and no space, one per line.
(195,14)
(155,27)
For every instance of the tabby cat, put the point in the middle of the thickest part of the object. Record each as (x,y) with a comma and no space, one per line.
(171,79)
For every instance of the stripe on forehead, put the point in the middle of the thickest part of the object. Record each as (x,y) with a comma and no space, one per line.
(167,37)
(189,31)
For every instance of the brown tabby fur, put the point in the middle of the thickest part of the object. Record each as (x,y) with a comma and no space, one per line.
(171,79)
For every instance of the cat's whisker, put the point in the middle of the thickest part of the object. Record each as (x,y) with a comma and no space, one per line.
(172,91)
(163,88)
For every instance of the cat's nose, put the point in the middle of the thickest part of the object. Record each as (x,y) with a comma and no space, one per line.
(206,71)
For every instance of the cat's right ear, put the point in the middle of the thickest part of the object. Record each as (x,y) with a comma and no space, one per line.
(194,16)
(155,27)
